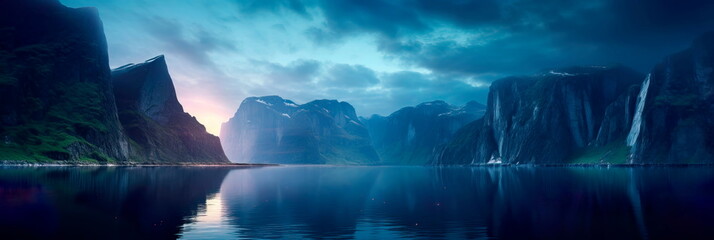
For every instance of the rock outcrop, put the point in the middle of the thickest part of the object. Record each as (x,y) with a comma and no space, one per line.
(560,116)
(674,121)
(56,100)
(158,128)
(275,130)
(412,135)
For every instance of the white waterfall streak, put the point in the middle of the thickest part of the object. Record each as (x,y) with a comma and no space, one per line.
(637,120)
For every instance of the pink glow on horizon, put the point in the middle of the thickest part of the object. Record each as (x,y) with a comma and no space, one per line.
(209,112)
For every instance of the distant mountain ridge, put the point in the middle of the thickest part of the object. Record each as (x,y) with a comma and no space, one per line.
(271,129)
(410,135)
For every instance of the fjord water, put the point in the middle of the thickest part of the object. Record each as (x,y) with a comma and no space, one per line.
(356,202)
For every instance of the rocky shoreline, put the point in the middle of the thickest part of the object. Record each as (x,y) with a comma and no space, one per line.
(124,164)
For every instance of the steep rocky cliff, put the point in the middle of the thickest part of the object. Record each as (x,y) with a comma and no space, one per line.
(158,128)
(674,122)
(56,100)
(411,135)
(558,116)
(275,130)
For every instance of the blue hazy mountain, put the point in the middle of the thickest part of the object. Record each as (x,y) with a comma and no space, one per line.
(271,129)
(154,121)
(411,135)
(557,116)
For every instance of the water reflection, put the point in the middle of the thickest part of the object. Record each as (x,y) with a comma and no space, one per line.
(357,202)
(471,203)
(102,202)
(210,223)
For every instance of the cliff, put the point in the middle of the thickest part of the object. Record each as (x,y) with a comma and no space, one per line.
(275,130)
(412,135)
(158,128)
(571,115)
(674,122)
(56,100)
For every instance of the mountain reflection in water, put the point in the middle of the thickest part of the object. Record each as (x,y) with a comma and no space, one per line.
(356,202)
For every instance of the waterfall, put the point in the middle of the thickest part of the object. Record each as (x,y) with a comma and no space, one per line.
(637,120)
(411,132)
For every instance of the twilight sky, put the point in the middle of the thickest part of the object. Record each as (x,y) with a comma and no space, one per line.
(383,55)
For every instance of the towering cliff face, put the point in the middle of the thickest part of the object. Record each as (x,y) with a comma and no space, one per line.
(674,122)
(411,135)
(275,130)
(559,116)
(56,101)
(158,128)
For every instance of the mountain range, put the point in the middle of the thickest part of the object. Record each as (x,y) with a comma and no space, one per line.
(271,129)
(60,101)
(411,135)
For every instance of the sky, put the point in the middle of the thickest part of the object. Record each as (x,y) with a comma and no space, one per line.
(382,55)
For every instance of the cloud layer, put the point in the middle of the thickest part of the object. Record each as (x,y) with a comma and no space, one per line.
(383,55)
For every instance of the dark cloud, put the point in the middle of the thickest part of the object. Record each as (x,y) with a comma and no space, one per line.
(389,18)
(192,46)
(455,47)
(529,35)
(465,13)
(257,6)
(405,79)
(321,37)
(297,72)
(209,42)
(519,36)
(398,18)
(366,89)
(410,88)
(349,76)
(508,56)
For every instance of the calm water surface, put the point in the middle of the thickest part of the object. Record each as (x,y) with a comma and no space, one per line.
(296,202)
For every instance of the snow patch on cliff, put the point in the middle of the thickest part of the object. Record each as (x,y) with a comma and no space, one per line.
(565,74)
(263,102)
